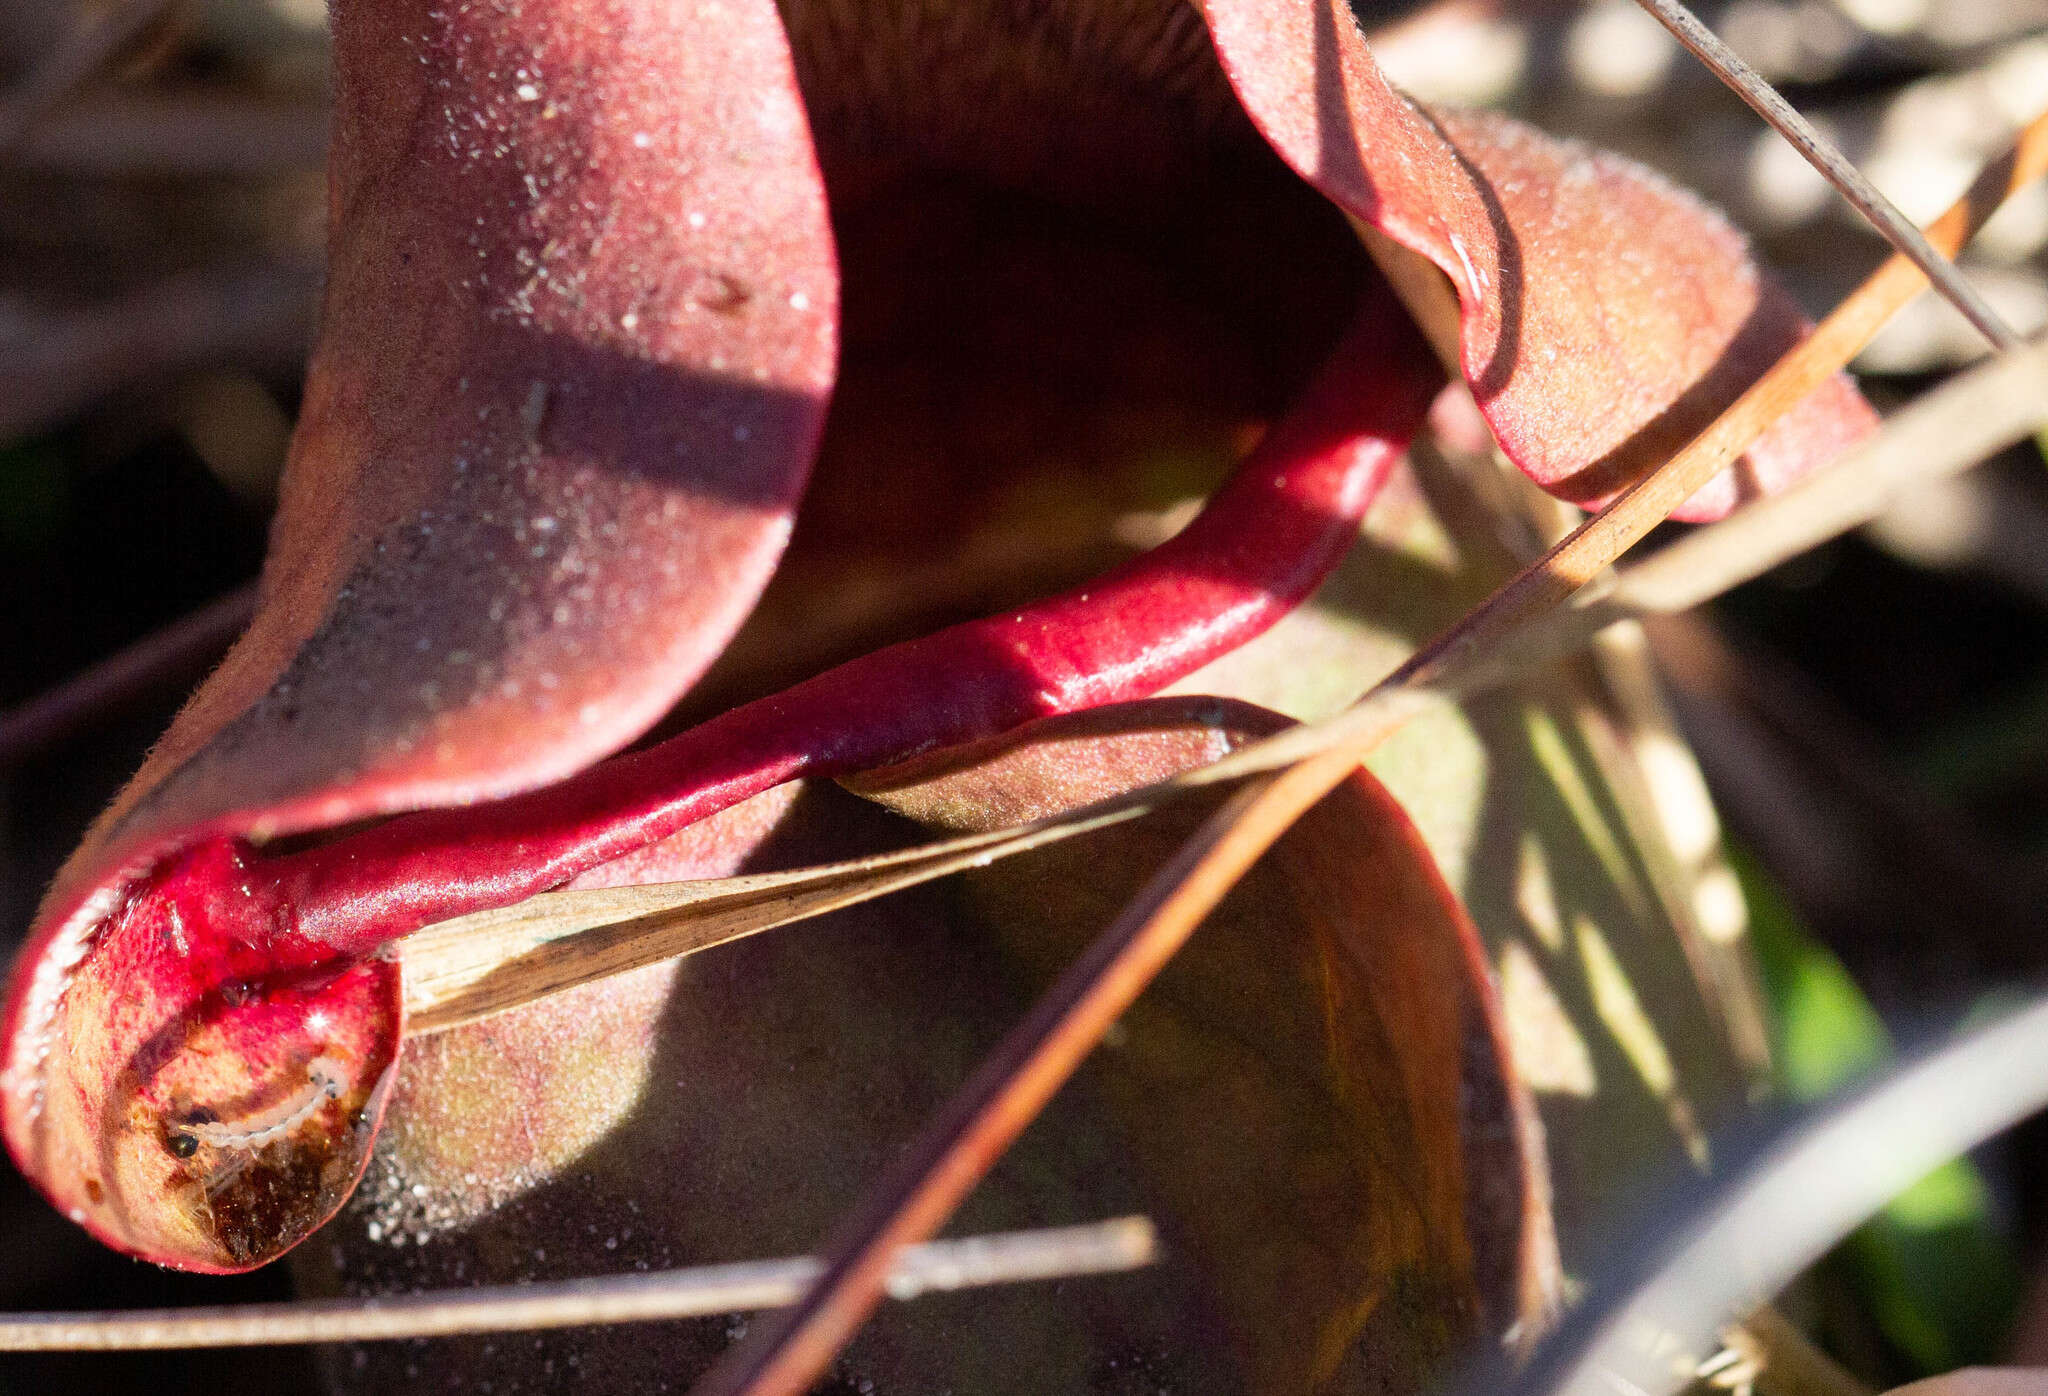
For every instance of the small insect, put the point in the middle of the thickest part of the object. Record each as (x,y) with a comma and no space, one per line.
(325,1081)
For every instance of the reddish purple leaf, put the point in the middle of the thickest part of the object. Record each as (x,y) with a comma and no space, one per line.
(1607,316)
(1266,540)
(579,334)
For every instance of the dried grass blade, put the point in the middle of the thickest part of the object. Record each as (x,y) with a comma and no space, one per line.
(1012,1257)
(1821,153)
(181,649)
(1946,431)
(469,968)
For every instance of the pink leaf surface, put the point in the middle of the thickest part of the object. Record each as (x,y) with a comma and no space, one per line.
(579,335)
(1606,316)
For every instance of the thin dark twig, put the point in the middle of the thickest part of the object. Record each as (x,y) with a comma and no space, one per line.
(180,650)
(255,312)
(1821,153)
(79,55)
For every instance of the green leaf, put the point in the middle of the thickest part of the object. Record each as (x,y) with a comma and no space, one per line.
(1936,1268)
(34,494)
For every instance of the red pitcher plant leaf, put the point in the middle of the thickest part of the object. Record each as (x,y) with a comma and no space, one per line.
(582,319)
(1607,316)
(578,337)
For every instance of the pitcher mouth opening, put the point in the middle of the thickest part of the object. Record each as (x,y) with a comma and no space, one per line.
(1077,285)
(190,1097)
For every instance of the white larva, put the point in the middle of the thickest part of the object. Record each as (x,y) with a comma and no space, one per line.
(325,1079)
